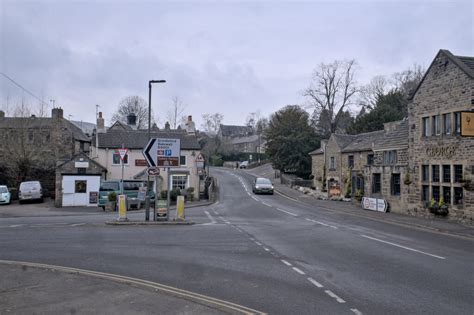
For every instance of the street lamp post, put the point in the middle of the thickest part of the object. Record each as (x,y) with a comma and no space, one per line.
(147,199)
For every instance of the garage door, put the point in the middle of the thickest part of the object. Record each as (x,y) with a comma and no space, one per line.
(77,189)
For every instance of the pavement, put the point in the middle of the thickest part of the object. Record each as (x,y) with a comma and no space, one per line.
(432,223)
(28,288)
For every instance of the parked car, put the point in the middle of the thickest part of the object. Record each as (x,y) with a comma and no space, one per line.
(244,164)
(30,191)
(131,188)
(262,185)
(5,196)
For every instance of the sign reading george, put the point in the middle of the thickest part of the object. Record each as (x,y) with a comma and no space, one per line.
(467,124)
(163,152)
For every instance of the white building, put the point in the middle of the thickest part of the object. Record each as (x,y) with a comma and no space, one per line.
(105,145)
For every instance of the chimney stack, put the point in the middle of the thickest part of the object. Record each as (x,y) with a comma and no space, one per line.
(57,113)
(167,126)
(190,126)
(132,120)
(100,124)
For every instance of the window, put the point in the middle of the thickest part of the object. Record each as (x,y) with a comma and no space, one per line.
(116,159)
(80,186)
(426,127)
(425,173)
(447,195)
(425,193)
(446,173)
(182,160)
(435,173)
(457,123)
(332,165)
(457,173)
(435,192)
(447,124)
(376,183)
(436,125)
(350,160)
(179,181)
(370,159)
(458,196)
(396,184)
(390,157)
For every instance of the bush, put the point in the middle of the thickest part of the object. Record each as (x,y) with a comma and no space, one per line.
(173,194)
(112,196)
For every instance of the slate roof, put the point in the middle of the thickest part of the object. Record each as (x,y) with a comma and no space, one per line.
(137,139)
(249,139)
(235,131)
(394,138)
(363,141)
(41,123)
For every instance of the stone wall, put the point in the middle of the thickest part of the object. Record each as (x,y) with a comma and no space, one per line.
(446,89)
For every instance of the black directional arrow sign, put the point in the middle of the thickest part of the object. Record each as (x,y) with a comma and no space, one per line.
(150,152)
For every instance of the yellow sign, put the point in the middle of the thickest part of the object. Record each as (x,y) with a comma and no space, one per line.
(180,208)
(467,124)
(122,207)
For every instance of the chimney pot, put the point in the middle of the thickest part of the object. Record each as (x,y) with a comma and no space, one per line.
(57,113)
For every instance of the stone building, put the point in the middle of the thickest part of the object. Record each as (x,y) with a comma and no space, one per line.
(386,177)
(31,146)
(441,160)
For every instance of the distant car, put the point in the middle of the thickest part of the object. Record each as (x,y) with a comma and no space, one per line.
(30,191)
(262,185)
(5,196)
(244,164)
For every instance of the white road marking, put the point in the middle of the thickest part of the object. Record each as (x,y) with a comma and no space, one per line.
(254,198)
(266,204)
(316,283)
(78,224)
(258,243)
(404,247)
(286,196)
(266,249)
(287,212)
(210,217)
(333,227)
(15,225)
(331,294)
(286,263)
(301,272)
(356,311)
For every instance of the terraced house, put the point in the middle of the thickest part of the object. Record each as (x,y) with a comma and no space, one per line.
(428,156)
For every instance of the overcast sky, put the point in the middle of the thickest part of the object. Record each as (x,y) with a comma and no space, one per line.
(232,57)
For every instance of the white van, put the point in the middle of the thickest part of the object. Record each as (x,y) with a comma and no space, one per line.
(30,191)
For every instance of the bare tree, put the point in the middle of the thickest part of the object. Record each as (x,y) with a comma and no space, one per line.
(407,81)
(176,114)
(332,90)
(133,105)
(211,122)
(372,92)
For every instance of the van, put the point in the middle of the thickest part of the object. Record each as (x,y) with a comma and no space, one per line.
(131,188)
(30,191)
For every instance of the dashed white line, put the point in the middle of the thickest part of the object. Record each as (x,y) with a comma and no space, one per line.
(15,225)
(316,283)
(266,249)
(404,247)
(301,272)
(258,243)
(254,198)
(286,263)
(356,311)
(266,204)
(287,212)
(78,224)
(331,294)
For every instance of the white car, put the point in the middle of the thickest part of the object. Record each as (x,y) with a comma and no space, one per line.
(30,191)
(5,196)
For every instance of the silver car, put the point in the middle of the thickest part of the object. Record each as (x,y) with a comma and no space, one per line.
(30,191)
(5,196)
(262,185)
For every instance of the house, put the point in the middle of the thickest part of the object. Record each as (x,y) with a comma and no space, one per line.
(427,156)
(32,146)
(441,158)
(104,151)
(240,139)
